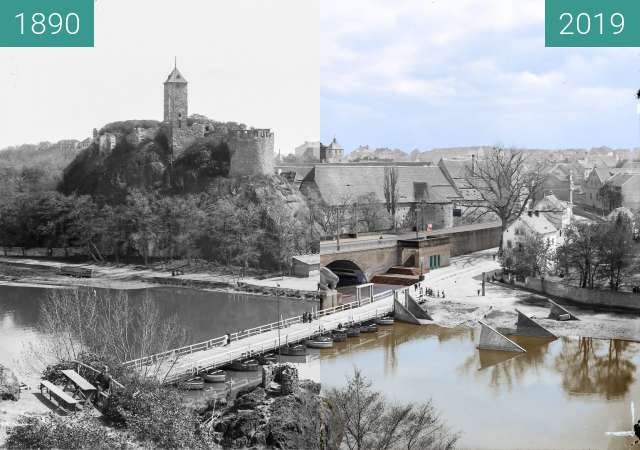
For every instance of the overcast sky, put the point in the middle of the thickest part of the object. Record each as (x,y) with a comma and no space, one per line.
(434,73)
(250,61)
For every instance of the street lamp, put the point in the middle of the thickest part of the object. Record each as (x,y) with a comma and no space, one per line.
(278,320)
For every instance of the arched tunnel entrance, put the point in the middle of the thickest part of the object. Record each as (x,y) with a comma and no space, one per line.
(350,273)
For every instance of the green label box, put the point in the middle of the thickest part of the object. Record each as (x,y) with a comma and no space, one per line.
(592,23)
(46,23)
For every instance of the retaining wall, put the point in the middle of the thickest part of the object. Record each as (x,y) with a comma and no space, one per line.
(586,297)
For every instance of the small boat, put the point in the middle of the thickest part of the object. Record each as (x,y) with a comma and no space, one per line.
(293,350)
(319,342)
(216,376)
(339,336)
(353,332)
(250,365)
(369,328)
(269,358)
(385,321)
(192,384)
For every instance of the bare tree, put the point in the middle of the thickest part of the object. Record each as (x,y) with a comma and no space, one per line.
(365,420)
(391,192)
(506,181)
(109,324)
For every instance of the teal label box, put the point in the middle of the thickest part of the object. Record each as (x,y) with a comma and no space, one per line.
(592,23)
(46,23)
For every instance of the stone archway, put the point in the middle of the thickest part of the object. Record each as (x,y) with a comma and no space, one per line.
(350,273)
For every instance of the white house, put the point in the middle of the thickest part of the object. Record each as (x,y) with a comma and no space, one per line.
(530,223)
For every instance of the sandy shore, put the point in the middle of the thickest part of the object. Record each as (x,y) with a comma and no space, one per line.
(45,273)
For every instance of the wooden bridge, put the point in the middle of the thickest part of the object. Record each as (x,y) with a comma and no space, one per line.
(184,362)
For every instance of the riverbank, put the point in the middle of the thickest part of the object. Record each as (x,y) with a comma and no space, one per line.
(46,273)
(464,305)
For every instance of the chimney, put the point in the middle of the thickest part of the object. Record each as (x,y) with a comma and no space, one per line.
(473,163)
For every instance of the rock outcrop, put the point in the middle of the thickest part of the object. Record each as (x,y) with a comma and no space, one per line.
(261,420)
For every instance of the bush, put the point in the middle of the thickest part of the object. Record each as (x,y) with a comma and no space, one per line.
(154,413)
(51,431)
(53,372)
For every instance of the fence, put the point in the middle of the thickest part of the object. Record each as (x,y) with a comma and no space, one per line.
(222,340)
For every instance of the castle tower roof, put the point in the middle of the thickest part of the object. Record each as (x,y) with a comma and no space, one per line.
(176,77)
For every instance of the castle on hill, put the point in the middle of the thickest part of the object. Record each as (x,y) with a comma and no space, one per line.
(251,150)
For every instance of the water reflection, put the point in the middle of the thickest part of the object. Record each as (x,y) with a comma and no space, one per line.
(204,314)
(590,366)
(560,394)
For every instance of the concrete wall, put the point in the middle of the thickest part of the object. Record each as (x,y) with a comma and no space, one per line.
(586,297)
(466,242)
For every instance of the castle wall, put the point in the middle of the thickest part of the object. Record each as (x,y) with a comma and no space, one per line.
(252,152)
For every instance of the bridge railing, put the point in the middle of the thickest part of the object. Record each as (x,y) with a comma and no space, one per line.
(222,340)
(191,368)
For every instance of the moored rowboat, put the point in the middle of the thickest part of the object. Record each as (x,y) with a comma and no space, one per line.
(339,336)
(249,365)
(369,328)
(385,321)
(319,342)
(192,384)
(293,350)
(353,332)
(216,376)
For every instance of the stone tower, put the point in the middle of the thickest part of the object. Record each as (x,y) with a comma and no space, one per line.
(175,99)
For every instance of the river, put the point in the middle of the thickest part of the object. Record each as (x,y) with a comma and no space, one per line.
(561,394)
(205,314)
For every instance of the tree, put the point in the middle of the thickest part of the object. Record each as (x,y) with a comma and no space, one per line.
(109,325)
(370,212)
(581,250)
(144,220)
(506,182)
(391,192)
(366,420)
(533,256)
(616,251)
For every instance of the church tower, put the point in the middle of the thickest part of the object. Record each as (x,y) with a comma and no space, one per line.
(175,99)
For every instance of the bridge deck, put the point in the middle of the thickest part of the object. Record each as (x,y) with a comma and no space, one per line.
(172,368)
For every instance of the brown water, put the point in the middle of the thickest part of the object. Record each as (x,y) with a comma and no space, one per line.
(561,394)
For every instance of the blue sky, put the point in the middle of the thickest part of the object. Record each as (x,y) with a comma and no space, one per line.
(431,73)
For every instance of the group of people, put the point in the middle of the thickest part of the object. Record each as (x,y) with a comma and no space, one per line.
(307,317)
(429,292)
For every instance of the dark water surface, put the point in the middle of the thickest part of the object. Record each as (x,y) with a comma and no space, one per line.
(561,394)
(205,314)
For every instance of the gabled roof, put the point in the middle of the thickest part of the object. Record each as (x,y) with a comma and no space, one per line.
(538,223)
(176,77)
(620,178)
(550,203)
(336,182)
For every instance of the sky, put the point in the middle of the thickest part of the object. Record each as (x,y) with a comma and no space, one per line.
(432,73)
(249,61)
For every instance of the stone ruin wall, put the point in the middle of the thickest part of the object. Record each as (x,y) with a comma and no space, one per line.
(252,152)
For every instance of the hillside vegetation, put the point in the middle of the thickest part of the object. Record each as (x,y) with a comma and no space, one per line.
(132,202)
